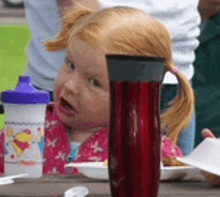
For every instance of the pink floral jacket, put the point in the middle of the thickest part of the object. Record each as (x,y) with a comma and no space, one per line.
(57,147)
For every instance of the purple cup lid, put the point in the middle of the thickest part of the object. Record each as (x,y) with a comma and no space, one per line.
(25,93)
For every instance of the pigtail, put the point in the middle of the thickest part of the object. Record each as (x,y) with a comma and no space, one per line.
(177,117)
(71,17)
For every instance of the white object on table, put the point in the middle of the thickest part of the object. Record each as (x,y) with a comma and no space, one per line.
(94,170)
(175,172)
(79,191)
(9,179)
(206,156)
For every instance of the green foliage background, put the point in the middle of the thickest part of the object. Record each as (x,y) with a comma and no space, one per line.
(14,39)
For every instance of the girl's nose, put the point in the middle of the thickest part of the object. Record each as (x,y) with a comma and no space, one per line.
(72,85)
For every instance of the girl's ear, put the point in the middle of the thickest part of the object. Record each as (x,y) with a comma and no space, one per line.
(71,16)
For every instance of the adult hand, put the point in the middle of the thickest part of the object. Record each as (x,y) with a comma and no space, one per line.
(207,133)
(208,8)
(213,179)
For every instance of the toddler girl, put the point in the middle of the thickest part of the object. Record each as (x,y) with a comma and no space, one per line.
(77,123)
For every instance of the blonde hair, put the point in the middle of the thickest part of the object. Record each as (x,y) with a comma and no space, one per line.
(129,30)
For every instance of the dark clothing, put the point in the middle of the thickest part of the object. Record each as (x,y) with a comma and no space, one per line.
(206,81)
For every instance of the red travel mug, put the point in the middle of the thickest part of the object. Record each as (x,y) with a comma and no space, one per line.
(134,134)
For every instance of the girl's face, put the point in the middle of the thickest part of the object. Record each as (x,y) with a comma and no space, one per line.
(81,90)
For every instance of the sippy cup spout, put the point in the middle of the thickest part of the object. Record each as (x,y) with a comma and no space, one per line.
(24,84)
(24,79)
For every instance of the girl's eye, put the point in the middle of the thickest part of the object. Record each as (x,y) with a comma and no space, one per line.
(94,82)
(72,66)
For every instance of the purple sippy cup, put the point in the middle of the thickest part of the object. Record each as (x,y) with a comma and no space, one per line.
(25,109)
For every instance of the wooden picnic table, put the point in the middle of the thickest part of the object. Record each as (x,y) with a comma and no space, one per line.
(193,185)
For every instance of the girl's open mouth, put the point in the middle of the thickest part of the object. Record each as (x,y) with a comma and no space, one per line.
(65,108)
(65,104)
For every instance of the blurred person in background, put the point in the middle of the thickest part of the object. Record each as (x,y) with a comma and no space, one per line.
(206,81)
(43,22)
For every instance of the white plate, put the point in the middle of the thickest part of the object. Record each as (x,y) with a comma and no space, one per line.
(96,170)
(178,172)
(6,182)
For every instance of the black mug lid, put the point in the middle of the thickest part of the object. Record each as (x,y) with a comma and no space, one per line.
(135,68)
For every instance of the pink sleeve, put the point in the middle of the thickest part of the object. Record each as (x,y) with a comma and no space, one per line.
(169,149)
(2,151)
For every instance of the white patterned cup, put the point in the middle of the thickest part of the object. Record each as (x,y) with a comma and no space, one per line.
(25,110)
